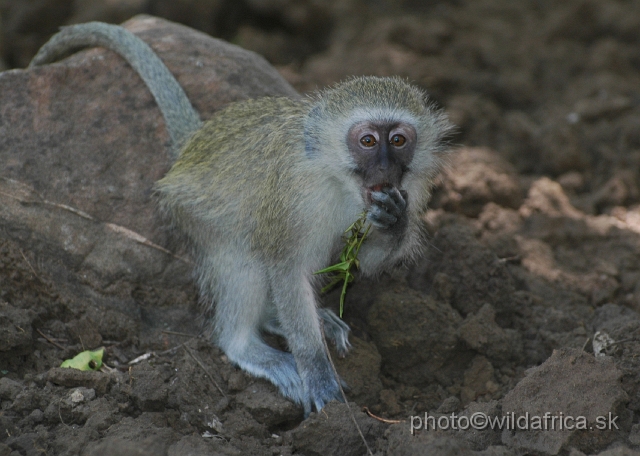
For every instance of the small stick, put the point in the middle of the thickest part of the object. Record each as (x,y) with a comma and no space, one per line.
(140,239)
(60,413)
(622,341)
(136,237)
(29,264)
(176,333)
(66,207)
(379,418)
(188,350)
(51,341)
(169,350)
(140,358)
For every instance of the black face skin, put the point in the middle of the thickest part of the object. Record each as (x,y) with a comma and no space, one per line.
(382,153)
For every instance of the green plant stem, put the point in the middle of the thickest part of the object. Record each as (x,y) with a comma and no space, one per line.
(348,258)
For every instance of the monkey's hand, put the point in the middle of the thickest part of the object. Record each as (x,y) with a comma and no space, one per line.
(388,210)
(336,330)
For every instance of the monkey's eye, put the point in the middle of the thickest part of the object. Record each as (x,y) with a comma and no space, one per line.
(398,140)
(368,141)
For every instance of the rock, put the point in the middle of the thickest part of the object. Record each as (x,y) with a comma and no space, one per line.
(577,385)
(82,142)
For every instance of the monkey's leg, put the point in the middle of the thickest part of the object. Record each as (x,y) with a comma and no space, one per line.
(299,320)
(336,330)
(241,295)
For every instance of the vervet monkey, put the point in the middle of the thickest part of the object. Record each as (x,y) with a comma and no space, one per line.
(264,191)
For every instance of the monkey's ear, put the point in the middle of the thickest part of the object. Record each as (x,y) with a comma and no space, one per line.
(312,132)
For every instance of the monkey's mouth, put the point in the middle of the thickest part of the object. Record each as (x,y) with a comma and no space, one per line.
(374,188)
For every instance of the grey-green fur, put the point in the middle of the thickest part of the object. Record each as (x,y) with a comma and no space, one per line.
(264,191)
(206,185)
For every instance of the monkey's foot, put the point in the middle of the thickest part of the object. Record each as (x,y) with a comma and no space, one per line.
(274,365)
(320,386)
(336,330)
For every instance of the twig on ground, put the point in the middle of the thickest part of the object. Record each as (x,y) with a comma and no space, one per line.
(206,371)
(379,418)
(140,358)
(51,341)
(176,333)
(136,237)
(29,264)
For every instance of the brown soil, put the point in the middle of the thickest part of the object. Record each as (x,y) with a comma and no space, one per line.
(534,246)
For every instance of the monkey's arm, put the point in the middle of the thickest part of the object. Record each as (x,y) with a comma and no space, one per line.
(181,118)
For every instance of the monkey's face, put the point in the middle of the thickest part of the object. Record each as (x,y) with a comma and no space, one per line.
(382,153)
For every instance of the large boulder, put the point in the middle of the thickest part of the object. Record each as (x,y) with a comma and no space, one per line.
(82,142)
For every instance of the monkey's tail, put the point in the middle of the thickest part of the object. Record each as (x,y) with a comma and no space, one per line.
(180,116)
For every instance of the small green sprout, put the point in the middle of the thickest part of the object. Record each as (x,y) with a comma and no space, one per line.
(86,360)
(353,239)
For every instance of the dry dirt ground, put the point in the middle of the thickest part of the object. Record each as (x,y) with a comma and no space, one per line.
(534,246)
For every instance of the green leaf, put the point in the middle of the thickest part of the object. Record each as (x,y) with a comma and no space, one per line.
(353,240)
(338,267)
(87,360)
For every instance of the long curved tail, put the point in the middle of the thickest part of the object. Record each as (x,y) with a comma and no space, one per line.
(181,118)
